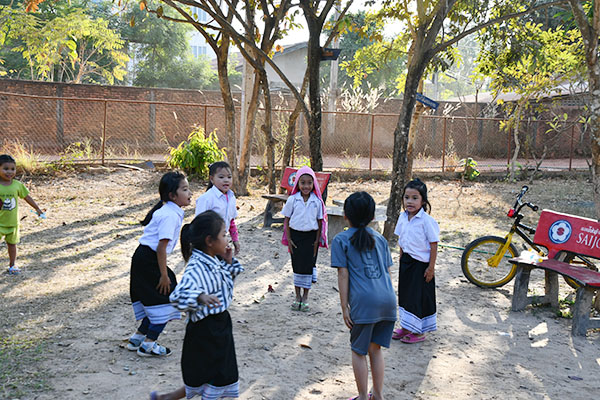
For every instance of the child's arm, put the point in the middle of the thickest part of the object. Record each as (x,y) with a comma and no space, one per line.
(164,284)
(316,247)
(343,286)
(33,204)
(430,271)
(291,244)
(235,237)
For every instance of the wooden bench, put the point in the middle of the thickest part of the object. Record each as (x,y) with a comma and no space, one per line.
(563,235)
(336,223)
(287,182)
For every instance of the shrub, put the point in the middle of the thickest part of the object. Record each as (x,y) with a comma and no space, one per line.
(196,154)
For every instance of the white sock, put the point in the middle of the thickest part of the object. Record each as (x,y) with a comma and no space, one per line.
(148,345)
(137,336)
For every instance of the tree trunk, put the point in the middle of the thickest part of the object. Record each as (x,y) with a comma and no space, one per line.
(267,129)
(400,165)
(229,106)
(314,100)
(589,34)
(248,133)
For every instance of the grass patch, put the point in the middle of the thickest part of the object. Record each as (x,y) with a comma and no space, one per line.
(19,367)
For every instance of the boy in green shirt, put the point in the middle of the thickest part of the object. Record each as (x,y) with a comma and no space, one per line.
(10,191)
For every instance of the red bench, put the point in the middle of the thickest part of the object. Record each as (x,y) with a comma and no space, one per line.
(287,182)
(563,235)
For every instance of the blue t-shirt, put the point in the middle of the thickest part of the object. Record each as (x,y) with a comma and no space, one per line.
(370,293)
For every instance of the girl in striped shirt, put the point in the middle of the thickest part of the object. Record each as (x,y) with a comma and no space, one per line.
(205,292)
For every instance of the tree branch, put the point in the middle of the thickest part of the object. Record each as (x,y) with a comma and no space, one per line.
(445,45)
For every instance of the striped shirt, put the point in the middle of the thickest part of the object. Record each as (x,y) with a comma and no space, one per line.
(205,274)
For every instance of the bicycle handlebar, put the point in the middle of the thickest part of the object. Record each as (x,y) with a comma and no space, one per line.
(519,204)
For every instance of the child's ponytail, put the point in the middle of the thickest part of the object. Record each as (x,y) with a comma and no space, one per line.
(169,183)
(186,244)
(359,208)
(194,235)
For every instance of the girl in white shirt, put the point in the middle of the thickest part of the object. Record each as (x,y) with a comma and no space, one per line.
(208,360)
(220,198)
(418,236)
(305,229)
(151,280)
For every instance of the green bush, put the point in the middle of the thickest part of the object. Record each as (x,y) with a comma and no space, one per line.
(469,166)
(196,154)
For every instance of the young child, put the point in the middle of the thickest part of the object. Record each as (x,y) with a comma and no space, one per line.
(304,230)
(10,191)
(220,198)
(208,360)
(418,236)
(367,296)
(151,280)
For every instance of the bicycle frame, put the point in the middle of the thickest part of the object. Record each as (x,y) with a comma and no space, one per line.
(518,228)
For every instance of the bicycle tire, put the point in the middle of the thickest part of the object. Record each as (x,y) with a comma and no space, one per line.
(475,266)
(569,259)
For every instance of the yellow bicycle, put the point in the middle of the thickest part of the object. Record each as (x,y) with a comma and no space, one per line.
(485,263)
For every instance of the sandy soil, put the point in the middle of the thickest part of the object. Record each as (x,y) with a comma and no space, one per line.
(65,319)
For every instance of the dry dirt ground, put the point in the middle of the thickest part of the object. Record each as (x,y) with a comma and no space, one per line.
(65,318)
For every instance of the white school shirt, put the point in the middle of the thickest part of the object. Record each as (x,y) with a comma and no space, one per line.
(303,216)
(215,200)
(165,224)
(415,236)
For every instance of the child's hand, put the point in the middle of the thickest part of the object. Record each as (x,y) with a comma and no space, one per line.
(164,285)
(429,273)
(236,246)
(291,246)
(347,319)
(228,256)
(210,300)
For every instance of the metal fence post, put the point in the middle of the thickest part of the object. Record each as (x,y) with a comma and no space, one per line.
(104,131)
(205,112)
(571,149)
(508,148)
(444,146)
(371,147)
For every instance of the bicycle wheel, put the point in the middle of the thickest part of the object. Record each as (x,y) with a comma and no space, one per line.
(582,262)
(477,259)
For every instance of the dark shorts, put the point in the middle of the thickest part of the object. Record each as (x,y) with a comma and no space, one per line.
(362,335)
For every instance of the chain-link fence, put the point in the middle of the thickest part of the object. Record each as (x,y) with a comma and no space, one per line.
(103,130)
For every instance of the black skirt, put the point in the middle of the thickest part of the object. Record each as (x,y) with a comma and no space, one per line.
(414,294)
(209,352)
(303,258)
(145,275)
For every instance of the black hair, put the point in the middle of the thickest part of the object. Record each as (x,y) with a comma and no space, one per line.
(359,208)
(214,167)
(420,186)
(194,234)
(169,183)
(5,158)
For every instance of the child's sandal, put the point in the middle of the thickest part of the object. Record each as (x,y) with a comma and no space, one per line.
(14,270)
(296,306)
(304,307)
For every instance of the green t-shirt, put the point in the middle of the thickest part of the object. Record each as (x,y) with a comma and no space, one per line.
(9,209)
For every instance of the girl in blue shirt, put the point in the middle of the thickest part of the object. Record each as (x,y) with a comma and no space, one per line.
(208,360)
(367,297)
